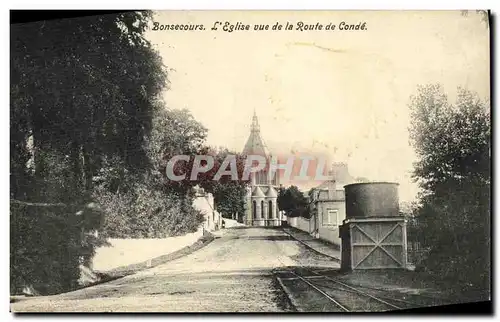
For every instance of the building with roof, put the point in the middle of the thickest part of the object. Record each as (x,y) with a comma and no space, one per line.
(261,206)
(327,204)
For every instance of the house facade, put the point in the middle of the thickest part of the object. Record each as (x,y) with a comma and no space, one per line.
(204,202)
(327,206)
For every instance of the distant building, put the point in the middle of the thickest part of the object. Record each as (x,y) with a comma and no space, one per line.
(341,175)
(261,207)
(327,204)
(204,202)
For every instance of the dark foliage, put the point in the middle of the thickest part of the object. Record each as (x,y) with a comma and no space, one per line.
(293,202)
(452,142)
(82,91)
(87,125)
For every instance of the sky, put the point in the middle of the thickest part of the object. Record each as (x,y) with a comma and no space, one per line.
(341,94)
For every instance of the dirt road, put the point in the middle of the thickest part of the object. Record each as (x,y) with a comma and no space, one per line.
(232,274)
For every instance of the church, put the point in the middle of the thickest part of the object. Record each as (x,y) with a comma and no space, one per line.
(261,205)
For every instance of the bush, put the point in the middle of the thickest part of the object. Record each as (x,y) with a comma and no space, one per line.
(455,226)
(48,244)
(144,212)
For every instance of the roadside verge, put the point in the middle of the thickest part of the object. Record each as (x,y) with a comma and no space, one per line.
(317,246)
(119,272)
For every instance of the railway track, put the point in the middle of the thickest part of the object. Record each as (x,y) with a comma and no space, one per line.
(315,291)
(310,291)
(408,300)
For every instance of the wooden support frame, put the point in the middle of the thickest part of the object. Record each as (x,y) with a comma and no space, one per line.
(360,257)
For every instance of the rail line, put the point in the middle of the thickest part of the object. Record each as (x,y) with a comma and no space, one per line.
(378,299)
(336,295)
(405,301)
(345,297)
(343,308)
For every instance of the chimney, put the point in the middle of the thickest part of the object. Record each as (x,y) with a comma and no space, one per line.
(340,172)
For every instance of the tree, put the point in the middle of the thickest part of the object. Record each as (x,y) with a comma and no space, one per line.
(150,205)
(293,202)
(82,93)
(85,88)
(175,132)
(229,194)
(452,142)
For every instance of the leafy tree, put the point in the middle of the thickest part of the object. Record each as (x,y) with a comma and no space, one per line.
(229,194)
(178,133)
(82,92)
(452,142)
(175,132)
(293,202)
(83,89)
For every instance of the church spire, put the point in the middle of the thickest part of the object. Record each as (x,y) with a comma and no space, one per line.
(254,143)
(255,123)
(256,146)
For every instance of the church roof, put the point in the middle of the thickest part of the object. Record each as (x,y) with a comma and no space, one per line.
(255,145)
(271,192)
(257,192)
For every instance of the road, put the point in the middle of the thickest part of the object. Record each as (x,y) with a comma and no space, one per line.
(234,273)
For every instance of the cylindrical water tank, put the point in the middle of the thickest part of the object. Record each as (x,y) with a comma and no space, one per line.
(373,199)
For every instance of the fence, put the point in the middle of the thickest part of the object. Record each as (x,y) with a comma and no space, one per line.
(416,251)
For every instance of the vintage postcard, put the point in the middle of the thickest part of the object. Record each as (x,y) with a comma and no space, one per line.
(250,161)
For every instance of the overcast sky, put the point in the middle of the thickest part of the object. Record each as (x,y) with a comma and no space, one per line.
(340,93)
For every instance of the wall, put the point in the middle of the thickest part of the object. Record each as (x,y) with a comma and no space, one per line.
(300,223)
(327,232)
(205,203)
(327,197)
(123,252)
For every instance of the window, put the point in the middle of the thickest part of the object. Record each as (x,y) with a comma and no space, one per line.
(331,218)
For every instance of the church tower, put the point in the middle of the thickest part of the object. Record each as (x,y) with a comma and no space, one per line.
(255,146)
(262,195)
